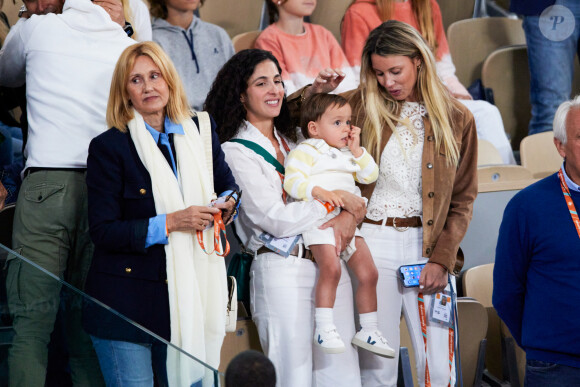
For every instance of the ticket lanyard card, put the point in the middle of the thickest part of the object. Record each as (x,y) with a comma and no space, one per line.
(441,309)
(221,199)
(282,246)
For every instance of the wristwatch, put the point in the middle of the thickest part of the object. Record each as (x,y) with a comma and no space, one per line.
(128,29)
(22,11)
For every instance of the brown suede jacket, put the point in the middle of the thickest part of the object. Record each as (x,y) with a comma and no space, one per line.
(448,191)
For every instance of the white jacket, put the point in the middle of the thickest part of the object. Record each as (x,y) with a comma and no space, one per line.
(67,61)
(263,208)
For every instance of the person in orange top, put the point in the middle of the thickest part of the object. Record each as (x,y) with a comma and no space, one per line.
(362,16)
(302,49)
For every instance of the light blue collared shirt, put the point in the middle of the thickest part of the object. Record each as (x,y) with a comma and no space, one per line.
(156,232)
(571,185)
(170,127)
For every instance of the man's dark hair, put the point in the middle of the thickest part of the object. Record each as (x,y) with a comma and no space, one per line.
(251,369)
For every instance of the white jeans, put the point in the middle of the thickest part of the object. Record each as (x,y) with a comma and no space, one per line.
(390,249)
(282,303)
(489,126)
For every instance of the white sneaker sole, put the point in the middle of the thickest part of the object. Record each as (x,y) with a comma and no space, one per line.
(330,350)
(384,352)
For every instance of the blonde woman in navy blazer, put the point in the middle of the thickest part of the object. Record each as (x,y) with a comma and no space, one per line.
(128,271)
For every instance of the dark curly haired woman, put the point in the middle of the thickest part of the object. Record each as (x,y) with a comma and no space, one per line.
(225,94)
(247,99)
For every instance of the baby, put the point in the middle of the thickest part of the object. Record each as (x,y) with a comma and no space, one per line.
(330,159)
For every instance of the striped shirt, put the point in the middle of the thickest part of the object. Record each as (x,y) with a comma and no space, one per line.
(315,163)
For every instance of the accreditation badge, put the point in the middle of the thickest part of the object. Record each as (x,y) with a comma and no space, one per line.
(441,310)
(282,246)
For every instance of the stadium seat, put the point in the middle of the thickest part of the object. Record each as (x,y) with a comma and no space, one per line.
(329,14)
(505,72)
(245,40)
(502,173)
(407,360)
(472,331)
(233,16)
(487,154)
(539,155)
(472,40)
(454,10)
(504,358)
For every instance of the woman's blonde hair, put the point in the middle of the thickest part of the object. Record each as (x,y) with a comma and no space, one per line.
(398,38)
(119,108)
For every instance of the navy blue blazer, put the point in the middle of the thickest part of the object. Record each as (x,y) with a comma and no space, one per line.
(124,274)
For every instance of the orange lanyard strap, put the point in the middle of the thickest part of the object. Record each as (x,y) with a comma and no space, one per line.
(284,197)
(569,201)
(287,149)
(285,145)
(218,226)
(423,319)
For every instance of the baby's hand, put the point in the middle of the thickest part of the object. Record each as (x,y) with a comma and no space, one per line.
(354,141)
(327,196)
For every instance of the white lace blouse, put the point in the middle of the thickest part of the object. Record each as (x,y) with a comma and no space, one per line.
(398,192)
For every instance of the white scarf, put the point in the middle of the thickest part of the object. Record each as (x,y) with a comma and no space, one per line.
(196,281)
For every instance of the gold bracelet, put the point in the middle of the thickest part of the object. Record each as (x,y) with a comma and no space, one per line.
(303,94)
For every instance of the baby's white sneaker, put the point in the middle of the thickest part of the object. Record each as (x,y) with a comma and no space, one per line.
(328,339)
(373,341)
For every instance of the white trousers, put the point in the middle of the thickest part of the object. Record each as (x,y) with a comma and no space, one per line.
(391,249)
(489,126)
(282,303)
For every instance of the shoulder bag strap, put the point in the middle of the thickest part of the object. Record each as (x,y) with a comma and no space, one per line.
(205,132)
(262,152)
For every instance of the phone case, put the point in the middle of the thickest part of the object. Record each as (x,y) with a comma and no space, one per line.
(410,274)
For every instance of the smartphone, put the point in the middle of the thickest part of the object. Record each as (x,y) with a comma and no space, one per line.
(410,274)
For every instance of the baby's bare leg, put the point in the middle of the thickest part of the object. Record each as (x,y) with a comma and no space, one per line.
(329,267)
(369,337)
(363,267)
